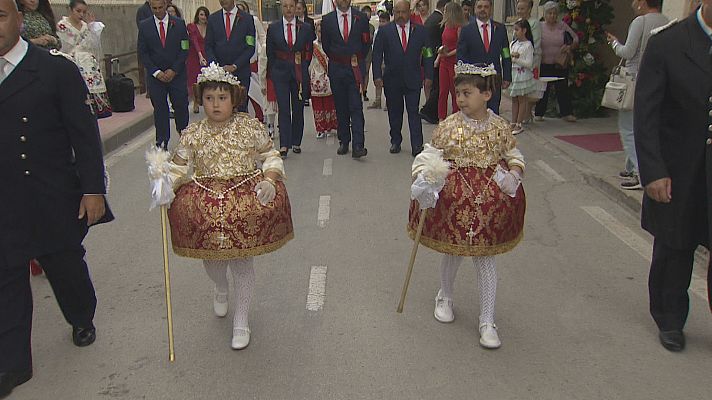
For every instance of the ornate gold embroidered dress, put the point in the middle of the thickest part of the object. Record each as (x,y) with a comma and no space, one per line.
(473,217)
(216,214)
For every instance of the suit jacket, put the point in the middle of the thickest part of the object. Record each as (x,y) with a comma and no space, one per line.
(403,68)
(143,12)
(673,132)
(280,70)
(153,55)
(471,48)
(50,155)
(435,31)
(238,49)
(309,20)
(335,47)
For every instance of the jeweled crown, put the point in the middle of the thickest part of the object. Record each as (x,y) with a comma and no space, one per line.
(215,73)
(483,70)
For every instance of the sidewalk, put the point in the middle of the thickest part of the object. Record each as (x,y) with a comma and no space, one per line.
(121,127)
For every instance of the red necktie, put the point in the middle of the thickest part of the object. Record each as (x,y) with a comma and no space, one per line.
(162,31)
(346,27)
(290,42)
(228,25)
(404,39)
(485,36)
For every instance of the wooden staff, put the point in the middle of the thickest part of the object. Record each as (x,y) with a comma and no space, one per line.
(413,253)
(167,277)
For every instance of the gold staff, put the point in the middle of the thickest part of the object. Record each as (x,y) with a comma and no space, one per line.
(412,260)
(167,276)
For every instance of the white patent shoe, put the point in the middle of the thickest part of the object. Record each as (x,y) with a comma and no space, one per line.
(220,304)
(240,338)
(488,336)
(443,309)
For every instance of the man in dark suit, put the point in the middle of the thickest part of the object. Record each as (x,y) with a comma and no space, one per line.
(163,48)
(429,111)
(346,39)
(143,12)
(485,42)
(673,139)
(230,42)
(289,50)
(405,50)
(52,169)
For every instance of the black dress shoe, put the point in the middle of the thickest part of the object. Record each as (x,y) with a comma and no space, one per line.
(395,148)
(343,149)
(10,380)
(83,337)
(283,153)
(672,340)
(428,118)
(296,149)
(358,153)
(416,151)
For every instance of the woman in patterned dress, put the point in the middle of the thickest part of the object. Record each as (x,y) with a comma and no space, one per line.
(39,24)
(80,36)
(322,98)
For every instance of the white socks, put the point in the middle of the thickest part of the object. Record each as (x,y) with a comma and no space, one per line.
(486,275)
(243,274)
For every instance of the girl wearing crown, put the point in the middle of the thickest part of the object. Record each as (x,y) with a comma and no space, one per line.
(230,204)
(477,202)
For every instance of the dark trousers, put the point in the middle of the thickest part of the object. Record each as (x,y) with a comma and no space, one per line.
(430,108)
(68,275)
(395,93)
(563,96)
(178,93)
(291,113)
(669,280)
(349,107)
(244,78)
(494,101)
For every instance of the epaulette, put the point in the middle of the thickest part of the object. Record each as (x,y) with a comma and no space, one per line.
(56,52)
(662,28)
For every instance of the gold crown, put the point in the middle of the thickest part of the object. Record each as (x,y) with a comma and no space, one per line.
(482,70)
(215,73)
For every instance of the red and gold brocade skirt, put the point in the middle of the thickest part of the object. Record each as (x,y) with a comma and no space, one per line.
(236,226)
(459,226)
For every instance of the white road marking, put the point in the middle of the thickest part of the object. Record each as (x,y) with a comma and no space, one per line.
(324,210)
(638,244)
(328,163)
(134,144)
(548,172)
(317,288)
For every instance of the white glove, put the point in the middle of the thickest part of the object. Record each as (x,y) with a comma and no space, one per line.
(265,192)
(508,181)
(425,193)
(161,192)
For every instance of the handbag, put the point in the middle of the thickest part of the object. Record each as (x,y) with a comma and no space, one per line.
(620,89)
(564,58)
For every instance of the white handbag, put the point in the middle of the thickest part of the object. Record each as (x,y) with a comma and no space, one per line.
(620,89)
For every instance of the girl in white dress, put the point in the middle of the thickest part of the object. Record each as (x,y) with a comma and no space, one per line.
(522,51)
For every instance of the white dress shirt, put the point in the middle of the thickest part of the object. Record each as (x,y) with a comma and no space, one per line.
(158,29)
(340,19)
(233,15)
(407,32)
(14,56)
(489,30)
(293,29)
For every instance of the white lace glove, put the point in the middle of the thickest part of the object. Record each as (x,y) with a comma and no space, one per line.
(425,193)
(266,191)
(508,181)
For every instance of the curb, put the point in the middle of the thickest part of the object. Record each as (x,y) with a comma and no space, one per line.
(127,132)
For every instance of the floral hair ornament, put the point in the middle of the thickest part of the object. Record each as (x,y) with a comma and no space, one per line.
(215,73)
(482,70)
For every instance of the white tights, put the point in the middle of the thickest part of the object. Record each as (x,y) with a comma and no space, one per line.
(243,276)
(486,275)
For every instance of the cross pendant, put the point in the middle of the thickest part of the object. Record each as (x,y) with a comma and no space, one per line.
(222,238)
(470,235)
(479,200)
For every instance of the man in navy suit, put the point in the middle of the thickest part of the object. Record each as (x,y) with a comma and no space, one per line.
(405,50)
(230,42)
(346,39)
(289,50)
(485,42)
(163,48)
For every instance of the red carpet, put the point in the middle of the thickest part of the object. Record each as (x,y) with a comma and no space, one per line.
(597,143)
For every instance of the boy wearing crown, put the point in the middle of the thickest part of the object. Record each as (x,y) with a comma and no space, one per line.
(478,205)
(230,204)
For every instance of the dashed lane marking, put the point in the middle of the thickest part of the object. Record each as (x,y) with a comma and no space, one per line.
(324,211)
(548,172)
(328,164)
(317,288)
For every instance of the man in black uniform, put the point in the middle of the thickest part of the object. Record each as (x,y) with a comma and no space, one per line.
(673,138)
(429,111)
(52,172)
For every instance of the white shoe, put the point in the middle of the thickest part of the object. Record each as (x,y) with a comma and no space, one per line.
(538,118)
(488,336)
(443,309)
(240,338)
(220,304)
(320,135)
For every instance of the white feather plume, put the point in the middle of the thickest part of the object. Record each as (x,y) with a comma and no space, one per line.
(158,161)
(435,169)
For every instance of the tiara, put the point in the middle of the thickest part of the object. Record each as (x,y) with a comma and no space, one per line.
(215,73)
(482,70)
